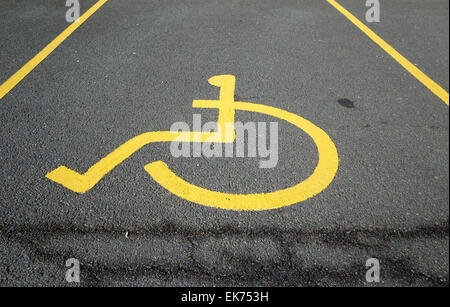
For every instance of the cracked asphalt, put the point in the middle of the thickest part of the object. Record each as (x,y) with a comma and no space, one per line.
(135,66)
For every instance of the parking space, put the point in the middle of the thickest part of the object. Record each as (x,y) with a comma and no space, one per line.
(417,30)
(136,66)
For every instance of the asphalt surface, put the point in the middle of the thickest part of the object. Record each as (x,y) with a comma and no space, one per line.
(136,66)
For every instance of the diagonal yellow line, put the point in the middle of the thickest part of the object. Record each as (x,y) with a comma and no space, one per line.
(28,67)
(411,68)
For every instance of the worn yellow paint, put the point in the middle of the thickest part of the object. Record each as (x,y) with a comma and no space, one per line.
(411,68)
(318,181)
(9,84)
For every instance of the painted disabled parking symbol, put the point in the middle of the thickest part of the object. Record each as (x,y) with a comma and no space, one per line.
(322,176)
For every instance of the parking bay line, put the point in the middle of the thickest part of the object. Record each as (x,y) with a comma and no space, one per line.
(15,79)
(411,68)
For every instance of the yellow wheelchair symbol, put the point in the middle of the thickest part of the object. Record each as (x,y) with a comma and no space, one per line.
(322,176)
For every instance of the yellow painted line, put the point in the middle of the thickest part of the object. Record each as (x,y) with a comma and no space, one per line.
(28,67)
(411,68)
